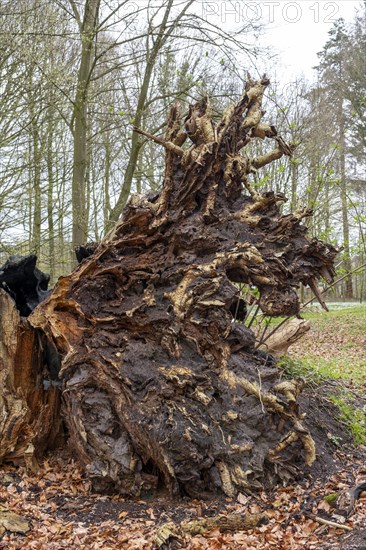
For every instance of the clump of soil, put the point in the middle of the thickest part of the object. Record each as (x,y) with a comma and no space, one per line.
(323,423)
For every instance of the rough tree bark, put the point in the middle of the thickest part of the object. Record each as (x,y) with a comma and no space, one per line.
(159,381)
(29,408)
(30,420)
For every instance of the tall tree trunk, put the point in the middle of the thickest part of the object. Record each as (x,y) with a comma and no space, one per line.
(50,190)
(311,192)
(36,164)
(37,201)
(326,211)
(344,201)
(80,125)
(107,174)
(294,176)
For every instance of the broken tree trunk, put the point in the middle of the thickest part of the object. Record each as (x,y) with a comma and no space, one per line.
(29,404)
(278,343)
(159,381)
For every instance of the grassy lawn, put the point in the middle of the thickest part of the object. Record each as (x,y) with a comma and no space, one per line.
(336,344)
(335,347)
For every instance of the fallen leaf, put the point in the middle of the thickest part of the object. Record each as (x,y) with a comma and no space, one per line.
(242,499)
(323,505)
(13,522)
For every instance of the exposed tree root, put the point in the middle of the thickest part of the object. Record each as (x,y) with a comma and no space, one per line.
(159,381)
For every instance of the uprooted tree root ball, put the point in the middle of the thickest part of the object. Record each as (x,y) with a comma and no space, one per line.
(159,381)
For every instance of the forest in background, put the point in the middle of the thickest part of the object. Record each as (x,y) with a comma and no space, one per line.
(76,77)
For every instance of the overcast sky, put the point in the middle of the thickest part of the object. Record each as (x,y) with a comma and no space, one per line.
(300,30)
(296,30)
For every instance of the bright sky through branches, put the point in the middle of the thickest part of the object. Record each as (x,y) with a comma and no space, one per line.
(295,30)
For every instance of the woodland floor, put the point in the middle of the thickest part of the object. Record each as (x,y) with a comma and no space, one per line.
(63,513)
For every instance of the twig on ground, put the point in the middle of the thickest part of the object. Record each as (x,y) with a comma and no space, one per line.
(332,524)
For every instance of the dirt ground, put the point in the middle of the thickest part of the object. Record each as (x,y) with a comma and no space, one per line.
(63,513)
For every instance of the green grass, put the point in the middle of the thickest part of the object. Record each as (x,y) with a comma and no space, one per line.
(346,360)
(350,413)
(354,317)
(297,367)
(352,416)
(340,367)
(323,357)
